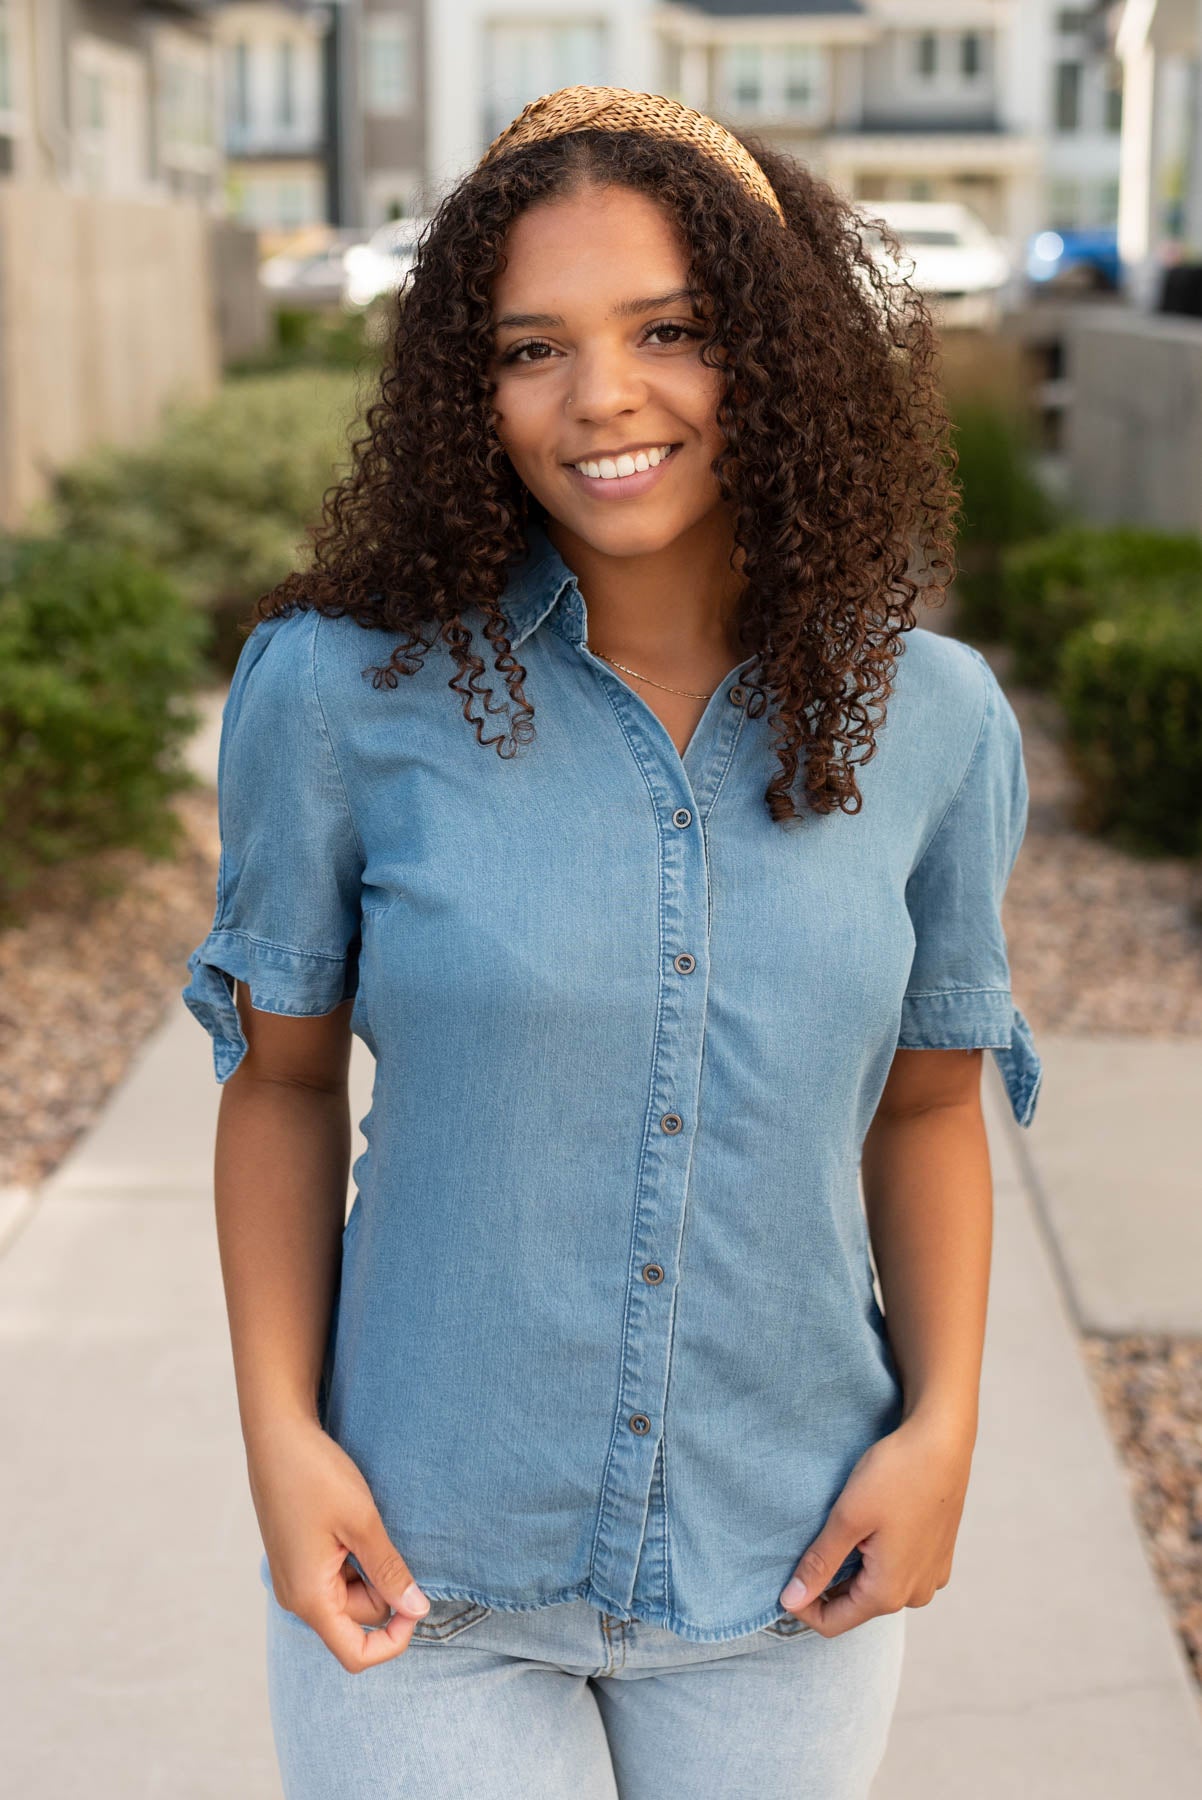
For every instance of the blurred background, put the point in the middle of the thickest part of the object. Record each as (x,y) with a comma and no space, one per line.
(207,217)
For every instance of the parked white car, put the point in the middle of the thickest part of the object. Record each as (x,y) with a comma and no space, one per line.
(382,264)
(949,255)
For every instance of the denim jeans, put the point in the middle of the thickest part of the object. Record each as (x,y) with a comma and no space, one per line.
(564,1702)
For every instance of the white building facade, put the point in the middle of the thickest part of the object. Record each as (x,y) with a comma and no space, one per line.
(1160,208)
(1008,105)
(273,107)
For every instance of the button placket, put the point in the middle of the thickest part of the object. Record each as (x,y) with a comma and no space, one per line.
(682,796)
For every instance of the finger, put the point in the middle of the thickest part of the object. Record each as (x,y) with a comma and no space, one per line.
(357,1648)
(847,1606)
(386,1569)
(365,1604)
(829,1550)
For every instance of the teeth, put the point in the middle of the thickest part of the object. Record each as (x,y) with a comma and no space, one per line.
(610,468)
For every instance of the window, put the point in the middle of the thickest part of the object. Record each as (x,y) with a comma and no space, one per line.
(238,106)
(1068,96)
(803,78)
(926,54)
(747,77)
(970,54)
(1070,19)
(387,65)
(775,81)
(524,61)
(286,85)
(1114,106)
(110,117)
(185,102)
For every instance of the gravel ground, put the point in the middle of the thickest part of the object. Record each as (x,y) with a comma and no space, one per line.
(1099,941)
(86,977)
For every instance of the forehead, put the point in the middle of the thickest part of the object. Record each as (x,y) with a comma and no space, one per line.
(593,242)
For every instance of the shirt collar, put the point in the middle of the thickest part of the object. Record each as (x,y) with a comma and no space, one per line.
(538,582)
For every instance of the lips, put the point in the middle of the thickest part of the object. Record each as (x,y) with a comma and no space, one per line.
(621,487)
(613,465)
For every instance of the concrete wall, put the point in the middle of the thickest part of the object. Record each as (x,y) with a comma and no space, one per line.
(244,315)
(1133,427)
(107,311)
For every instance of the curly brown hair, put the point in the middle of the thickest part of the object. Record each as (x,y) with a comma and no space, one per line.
(838,463)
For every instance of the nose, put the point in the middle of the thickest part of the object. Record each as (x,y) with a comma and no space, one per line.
(604,382)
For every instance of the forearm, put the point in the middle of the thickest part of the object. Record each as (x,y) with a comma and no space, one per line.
(280,1176)
(928,1197)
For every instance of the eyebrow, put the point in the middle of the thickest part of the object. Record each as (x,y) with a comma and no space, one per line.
(625,309)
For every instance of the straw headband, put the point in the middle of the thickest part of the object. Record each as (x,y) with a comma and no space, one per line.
(621,109)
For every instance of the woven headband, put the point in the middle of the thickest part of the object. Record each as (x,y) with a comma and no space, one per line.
(621,109)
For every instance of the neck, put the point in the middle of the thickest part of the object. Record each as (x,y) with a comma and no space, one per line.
(674,607)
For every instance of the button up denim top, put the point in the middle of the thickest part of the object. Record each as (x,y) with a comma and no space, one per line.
(606,1325)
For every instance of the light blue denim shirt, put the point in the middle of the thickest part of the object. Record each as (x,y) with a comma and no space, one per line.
(606,1324)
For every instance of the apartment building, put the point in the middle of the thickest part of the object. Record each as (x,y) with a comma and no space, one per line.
(1160,213)
(274,112)
(110,97)
(1084,129)
(1010,105)
(325,118)
(387,160)
(122,286)
(487,60)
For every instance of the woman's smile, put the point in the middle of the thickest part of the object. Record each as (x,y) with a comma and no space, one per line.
(625,476)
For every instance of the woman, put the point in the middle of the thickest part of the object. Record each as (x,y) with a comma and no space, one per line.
(595,1386)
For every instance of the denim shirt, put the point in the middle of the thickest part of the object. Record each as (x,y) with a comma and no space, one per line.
(606,1324)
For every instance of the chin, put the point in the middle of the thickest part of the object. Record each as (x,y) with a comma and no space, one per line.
(625,536)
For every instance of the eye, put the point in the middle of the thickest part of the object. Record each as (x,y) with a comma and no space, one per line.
(683,331)
(514,353)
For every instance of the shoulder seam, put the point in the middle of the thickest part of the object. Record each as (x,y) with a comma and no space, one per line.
(329,736)
(985,674)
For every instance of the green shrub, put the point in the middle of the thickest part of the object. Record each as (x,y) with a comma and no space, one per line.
(1002,503)
(326,337)
(1130,683)
(97,652)
(1055,584)
(221,499)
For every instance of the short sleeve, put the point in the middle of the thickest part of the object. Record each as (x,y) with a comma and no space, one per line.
(958,994)
(287,917)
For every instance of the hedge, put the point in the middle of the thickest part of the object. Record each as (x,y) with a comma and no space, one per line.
(1056,583)
(97,654)
(1130,684)
(221,499)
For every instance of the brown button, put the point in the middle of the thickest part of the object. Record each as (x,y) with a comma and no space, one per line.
(682,817)
(640,1423)
(671,1122)
(684,963)
(738,695)
(652,1273)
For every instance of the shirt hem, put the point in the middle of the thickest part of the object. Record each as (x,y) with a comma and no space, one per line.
(665,1620)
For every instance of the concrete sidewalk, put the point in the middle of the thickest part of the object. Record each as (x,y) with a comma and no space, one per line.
(132,1634)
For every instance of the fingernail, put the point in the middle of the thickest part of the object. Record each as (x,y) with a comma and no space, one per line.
(413,1601)
(794,1592)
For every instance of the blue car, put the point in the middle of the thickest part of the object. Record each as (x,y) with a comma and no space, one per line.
(1080,257)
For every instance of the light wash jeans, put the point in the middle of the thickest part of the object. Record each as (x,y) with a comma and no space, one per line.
(567,1703)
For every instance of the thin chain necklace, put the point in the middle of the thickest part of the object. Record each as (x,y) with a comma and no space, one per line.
(658,684)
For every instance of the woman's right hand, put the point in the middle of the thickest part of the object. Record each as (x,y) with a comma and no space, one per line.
(313,1506)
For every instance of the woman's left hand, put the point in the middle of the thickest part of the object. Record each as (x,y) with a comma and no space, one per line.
(901,1505)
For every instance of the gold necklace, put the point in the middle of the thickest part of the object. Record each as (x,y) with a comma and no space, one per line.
(658,684)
